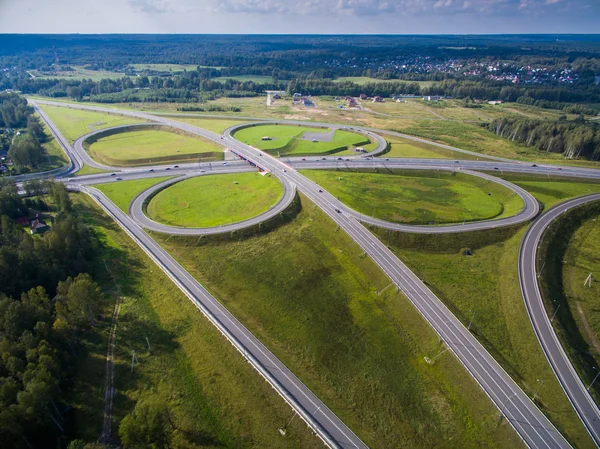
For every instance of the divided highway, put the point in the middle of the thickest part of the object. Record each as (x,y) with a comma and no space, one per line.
(533,427)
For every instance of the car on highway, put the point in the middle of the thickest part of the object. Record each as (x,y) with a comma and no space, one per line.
(324,159)
(202,171)
(119,179)
(283,170)
(534,165)
(338,211)
(113,174)
(303,158)
(559,168)
(496,168)
(320,190)
(340,159)
(456,162)
(151,170)
(176,166)
(168,168)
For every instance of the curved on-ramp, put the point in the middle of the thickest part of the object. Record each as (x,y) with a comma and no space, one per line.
(563,368)
(136,211)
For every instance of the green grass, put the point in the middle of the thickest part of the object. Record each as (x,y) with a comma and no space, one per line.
(79,73)
(287,140)
(122,193)
(207,201)
(164,67)
(88,170)
(216,125)
(215,397)
(569,253)
(307,292)
(555,191)
(485,287)
(416,197)
(258,79)
(56,156)
(407,148)
(74,123)
(365,79)
(138,147)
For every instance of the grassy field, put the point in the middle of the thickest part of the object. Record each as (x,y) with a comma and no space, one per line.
(254,78)
(495,305)
(138,147)
(366,79)
(551,192)
(78,73)
(287,140)
(216,399)
(163,67)
(207,201)
(407,148)
(74,123)
(216,125)
(56,156)
(359,351)
(88,170)
(569,251)
(415,197)
(122,193)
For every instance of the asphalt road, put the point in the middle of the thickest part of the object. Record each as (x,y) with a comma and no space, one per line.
(558,359)
(535,429)
(314,412)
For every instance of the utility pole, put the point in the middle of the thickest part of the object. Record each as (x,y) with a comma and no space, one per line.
(471,322)
(541,382)
(588,388)
(552,319)
(430,361)
(588,281)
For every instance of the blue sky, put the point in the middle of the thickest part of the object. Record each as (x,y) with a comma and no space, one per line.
(300,16)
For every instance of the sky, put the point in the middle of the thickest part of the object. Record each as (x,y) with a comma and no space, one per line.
(300,16)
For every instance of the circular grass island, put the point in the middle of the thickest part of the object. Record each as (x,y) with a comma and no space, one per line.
(144,145)
(215,200)
(420,197)
(292,140)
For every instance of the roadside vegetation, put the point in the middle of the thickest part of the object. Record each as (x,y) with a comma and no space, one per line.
(189,387)
(331,316)
(122,193)
(152,146)
(419,197)
(569,254)
(217,125)
(74,123)
(289,140)
(207,201)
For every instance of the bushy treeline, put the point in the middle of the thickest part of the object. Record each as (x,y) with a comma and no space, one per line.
(570,138)
(46,303)
(23,135)
(566,107)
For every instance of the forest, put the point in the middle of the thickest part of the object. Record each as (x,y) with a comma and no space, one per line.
(572,139)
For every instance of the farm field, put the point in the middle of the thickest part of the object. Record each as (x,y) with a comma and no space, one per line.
(406,148)
(287,140)
(74,123)
(78,73)
(122,193)
(214,397)
(137,147)
(254,78)
(414,197)
(207,201)
(361,352)
(163,67)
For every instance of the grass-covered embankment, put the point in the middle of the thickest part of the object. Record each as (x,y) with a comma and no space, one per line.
(74,123)
(122,193)
(419,197)
(215,398)
(151,145)
(214,200)
(569,253)
(329,313)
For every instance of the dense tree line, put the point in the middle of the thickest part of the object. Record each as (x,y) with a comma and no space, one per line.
(570,138)
(46,303)
(566,107)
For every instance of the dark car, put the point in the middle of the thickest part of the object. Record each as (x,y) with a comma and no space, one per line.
(113,174)
(534,165)
(340,159)
(338,211)
(176,166)
(320,190)
(151,170)
(324,159)
(456,162)
(496,168)
(119,179)
(303,158)
(168,168)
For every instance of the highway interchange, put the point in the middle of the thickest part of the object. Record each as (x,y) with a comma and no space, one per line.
(530,423)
